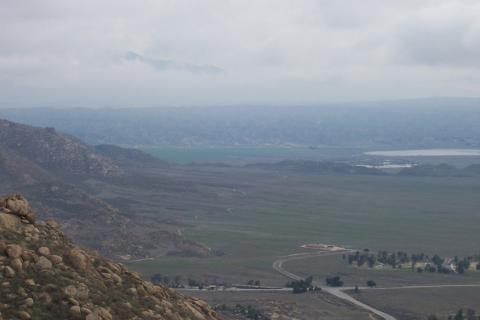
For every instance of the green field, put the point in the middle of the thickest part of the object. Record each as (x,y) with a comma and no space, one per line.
(324,267)
(256,216)
(284,306)
(407,304)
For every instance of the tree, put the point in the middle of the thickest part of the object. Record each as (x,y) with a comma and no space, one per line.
(461,269)
(192,282)
(334,281)
(430,268)
(158,278)
(177,281)
(301,286)
(459,315)
(437,260)
(371,283)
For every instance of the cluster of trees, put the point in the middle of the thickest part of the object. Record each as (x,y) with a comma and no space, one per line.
(172,282)
(371,283)
(399,258)
(249,311)
(254,283)
(301,286)
(469,314)
(437,264)
(394,259)
(334,281)
(180,282)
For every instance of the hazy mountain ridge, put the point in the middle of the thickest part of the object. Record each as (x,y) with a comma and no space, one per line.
(434,122)
(46,276)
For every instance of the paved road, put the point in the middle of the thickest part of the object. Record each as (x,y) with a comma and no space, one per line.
(337,292)
(278,264)
(340,292)
(235,289)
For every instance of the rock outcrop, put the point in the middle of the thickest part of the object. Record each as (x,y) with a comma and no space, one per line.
(44,275)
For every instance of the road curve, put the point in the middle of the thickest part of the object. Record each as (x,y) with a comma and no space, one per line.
(337,292)
(340,293)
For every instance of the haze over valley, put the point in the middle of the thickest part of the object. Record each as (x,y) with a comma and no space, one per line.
(232,160)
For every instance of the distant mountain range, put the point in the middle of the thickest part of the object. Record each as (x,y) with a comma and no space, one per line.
(422,123)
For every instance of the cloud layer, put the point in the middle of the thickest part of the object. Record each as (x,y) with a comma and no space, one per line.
(212,52)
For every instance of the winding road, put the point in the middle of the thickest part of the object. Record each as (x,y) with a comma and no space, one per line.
(337,292)
(340,292)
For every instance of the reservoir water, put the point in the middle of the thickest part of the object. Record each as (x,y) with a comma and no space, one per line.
(426,153)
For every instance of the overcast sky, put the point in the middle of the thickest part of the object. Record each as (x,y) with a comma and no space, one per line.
(205,52)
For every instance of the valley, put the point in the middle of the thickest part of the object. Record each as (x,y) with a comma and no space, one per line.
(255,215)
(226,223)
(239,160)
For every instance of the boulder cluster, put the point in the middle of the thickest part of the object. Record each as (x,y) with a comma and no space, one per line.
(18,206)
(44,275)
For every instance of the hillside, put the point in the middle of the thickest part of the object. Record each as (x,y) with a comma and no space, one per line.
(53,150)
(129,157)
(46,276)
(50,168)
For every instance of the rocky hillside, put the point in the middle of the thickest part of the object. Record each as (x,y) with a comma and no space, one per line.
(52,150)
(50,167)
(44,275)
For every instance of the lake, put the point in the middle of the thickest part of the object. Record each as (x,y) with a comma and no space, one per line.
(426,153)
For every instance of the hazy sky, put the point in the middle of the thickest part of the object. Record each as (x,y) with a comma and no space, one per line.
(178,52)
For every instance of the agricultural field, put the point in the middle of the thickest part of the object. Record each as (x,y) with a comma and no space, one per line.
(322,267)
(416,304)
(254,216)
(283,306)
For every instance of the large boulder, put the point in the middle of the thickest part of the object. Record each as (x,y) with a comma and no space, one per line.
(17,205)
(77,259)
(14,251)
(9,221)
(43,264)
